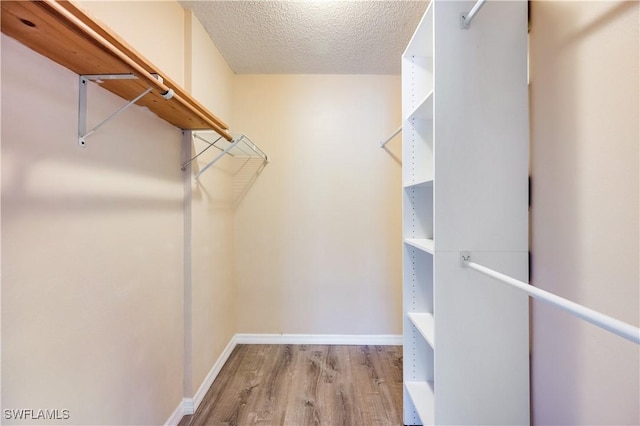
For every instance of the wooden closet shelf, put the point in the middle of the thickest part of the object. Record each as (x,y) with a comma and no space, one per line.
(67,35)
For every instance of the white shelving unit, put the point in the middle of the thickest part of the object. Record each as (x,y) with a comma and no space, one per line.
(465,167)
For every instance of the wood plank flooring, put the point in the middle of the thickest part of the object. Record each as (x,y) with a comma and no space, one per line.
(301,385)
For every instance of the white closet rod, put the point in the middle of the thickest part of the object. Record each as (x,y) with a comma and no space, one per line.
(606,322)
(466,19)
(386,141)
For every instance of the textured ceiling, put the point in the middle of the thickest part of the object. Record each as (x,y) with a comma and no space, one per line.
(310,37)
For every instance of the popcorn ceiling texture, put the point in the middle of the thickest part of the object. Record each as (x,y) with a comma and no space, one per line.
(310,37)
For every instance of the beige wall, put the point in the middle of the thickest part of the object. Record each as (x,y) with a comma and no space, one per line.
(154,28)
(317,239)
(211,207)
(99,322)
(210,79)
(118,290)
(185,52)
(585,216)
(92,252)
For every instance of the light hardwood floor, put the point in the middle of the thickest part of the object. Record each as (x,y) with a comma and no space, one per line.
(301,385)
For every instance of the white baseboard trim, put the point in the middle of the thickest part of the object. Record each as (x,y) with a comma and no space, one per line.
(187,406)
(318,339)
(191,404)
(176,416)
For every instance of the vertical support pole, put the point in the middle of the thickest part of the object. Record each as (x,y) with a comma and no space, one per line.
(82,111)
(187,360)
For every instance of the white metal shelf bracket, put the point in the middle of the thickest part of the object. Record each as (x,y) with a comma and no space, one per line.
(83,134)
(466,18)
(240,146)
(210,144)
(219,156)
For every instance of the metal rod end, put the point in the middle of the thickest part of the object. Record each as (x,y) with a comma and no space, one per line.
(464,24)
(168,94)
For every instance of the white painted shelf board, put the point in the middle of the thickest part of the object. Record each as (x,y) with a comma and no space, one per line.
(419,184)
(421,394)
(424,244)
(424,322)
(424,110)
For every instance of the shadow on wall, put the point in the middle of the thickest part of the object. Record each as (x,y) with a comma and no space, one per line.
(247,172)
(36,177)
(130,164)
(618,10)
(395,152)
(393,156)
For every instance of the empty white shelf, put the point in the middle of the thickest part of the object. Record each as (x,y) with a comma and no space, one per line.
(424,110)
(421,394)
(424,244)
(425,325)
(419,184)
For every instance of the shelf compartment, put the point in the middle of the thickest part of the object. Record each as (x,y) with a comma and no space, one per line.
(424,110)
(424,323)
(417,65)
(424,31)
(417,77)
(422,397)
(418,215)
(417,152)
(424,244)
(418,279)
